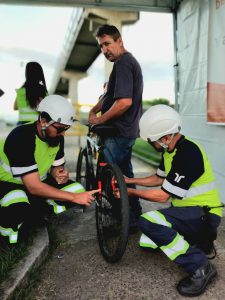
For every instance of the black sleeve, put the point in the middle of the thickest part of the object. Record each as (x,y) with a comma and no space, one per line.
(19,149)
(187,167)
(60,157)
(161,169)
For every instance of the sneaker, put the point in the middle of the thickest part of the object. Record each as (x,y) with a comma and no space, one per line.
(196,283)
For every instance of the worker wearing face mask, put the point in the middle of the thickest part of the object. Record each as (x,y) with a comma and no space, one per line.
(186,230)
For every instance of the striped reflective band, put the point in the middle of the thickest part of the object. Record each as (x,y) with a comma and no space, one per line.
(157,218)
(75,187)
(13,235)
(201,189)
(28,110)
(192,192)
(177,247)
(161,173)
(22,170)
(57,208)
(147,242)
(15,196)
(5,166)
(59,162)
(43,177)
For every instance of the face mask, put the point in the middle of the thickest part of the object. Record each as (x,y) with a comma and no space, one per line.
(165,146)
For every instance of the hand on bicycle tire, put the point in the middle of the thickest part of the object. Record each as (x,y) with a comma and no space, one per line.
(86,198)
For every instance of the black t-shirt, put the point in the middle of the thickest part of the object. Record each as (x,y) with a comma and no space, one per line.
(125,81)
(187,166)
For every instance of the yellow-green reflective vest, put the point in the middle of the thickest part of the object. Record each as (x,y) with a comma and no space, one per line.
(26,113)
(44,157)
(202,192)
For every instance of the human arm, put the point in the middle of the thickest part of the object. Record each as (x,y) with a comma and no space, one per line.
(118,108)
(152,180)
(150,195)
(15,107)
(38,188)
(155,195)
(97,108)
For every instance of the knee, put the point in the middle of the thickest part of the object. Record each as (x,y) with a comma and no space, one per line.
(144,224)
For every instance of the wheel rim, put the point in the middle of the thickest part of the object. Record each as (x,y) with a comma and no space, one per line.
(112,219)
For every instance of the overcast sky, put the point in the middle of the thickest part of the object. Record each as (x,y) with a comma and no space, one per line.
(37,33)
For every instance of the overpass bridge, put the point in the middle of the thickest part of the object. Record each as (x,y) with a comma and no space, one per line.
(80,47)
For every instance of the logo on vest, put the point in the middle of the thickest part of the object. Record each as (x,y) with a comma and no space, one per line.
(178,177)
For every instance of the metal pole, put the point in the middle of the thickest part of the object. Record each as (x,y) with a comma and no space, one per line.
(176,66)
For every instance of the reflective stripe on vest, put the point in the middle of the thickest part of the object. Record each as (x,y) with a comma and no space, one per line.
(15,196)
(31,117)
(202,192)
(56,207)
(26,113)
(192,192)
(75,187)
(5,166)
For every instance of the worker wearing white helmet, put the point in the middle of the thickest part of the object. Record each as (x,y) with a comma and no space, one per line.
(186,230)
(33,180)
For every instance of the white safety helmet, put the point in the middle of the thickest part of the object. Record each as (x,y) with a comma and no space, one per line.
(59,109)
(158,121)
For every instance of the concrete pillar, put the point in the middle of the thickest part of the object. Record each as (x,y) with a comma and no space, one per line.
(73,78)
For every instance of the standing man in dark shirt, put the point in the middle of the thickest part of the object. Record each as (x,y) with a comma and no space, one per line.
(121,106)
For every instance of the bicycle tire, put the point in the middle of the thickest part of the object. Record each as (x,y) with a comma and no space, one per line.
(85,171)
(112,214)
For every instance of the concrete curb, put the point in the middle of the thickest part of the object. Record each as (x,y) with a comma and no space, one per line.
(18,277)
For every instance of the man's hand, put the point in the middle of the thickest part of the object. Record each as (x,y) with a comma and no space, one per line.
(127,179)
(93,119)
(60,174)
(85,198)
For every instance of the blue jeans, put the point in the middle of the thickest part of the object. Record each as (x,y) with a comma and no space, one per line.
(118,150)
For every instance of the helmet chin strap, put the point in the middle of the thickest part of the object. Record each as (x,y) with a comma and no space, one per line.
(166,146)
(43,128)
(43,131)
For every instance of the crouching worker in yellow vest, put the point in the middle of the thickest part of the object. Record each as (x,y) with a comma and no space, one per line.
(186,230)
(33,180)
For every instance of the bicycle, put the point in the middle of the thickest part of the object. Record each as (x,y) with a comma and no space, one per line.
(111,210)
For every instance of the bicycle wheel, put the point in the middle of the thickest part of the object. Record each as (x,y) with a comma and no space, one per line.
(112,213)
(85,171)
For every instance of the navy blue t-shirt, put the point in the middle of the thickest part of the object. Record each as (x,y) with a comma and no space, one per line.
(125,81)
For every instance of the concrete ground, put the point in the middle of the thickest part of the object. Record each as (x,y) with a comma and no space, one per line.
(77,269)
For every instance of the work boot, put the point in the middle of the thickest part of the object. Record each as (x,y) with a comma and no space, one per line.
(196,283)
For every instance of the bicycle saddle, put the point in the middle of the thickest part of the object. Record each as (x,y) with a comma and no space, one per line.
(104,130)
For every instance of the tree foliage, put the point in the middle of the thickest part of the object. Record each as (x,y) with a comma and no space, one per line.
(148,103)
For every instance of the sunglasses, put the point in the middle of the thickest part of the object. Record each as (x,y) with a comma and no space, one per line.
(60,129)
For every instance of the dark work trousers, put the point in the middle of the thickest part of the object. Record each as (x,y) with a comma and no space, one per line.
(118,150)
(180,232)
(14,217)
